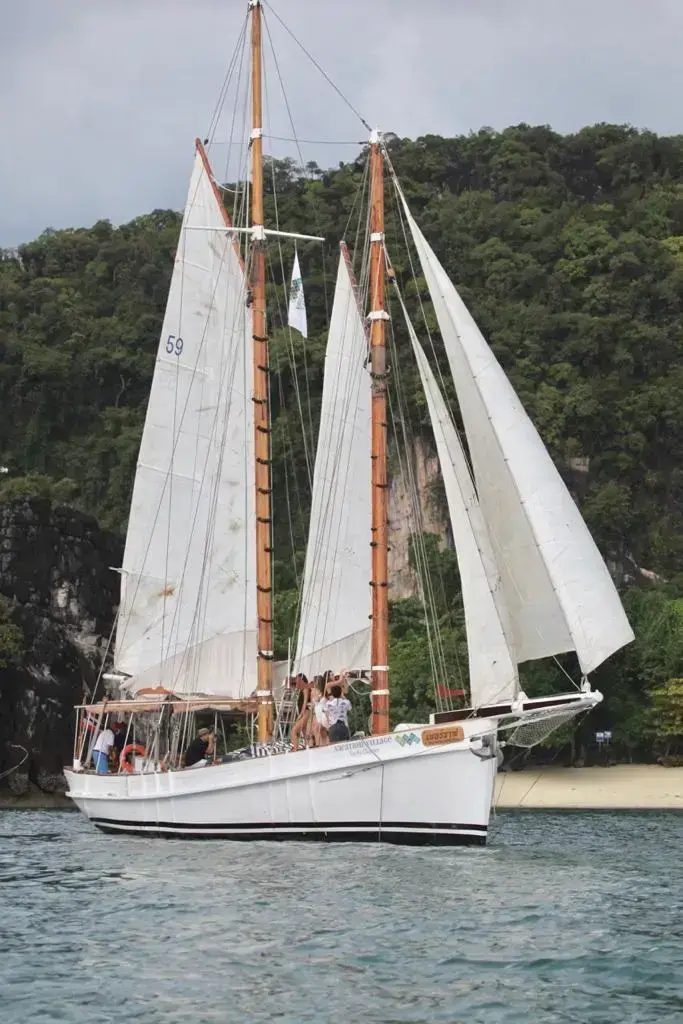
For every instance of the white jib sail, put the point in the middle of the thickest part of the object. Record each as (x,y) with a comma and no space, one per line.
(492,668)
(334,628)
(296,316)
(558,591)
(187,618)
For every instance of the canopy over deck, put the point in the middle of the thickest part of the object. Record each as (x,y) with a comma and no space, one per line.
(194,703)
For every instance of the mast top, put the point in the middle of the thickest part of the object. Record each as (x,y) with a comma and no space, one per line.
(254,3)
(375,136)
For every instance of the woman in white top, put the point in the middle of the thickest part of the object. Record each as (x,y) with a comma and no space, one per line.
(337,709)
(318,720)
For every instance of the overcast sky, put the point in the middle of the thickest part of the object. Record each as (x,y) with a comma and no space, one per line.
(100,100)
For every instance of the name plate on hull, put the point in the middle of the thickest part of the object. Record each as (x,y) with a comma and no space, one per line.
(443,734)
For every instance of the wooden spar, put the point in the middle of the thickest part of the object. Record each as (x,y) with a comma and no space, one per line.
(380,485)
(264,574)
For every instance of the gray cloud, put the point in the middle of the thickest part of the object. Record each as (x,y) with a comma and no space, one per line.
(100,100)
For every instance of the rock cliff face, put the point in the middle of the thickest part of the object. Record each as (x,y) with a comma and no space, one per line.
(405,517)
(61,594)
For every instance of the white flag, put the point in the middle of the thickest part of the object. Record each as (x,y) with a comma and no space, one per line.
(296,316)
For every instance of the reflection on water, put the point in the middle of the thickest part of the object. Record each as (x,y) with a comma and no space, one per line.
(574,917)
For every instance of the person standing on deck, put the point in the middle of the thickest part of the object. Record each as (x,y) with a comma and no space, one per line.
(336,710)
(101,749)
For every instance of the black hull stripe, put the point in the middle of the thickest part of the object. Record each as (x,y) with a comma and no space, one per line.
(418,835)
(290,826)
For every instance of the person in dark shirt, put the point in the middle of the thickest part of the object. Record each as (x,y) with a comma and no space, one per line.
(119,730)
(200,748)
(119,736)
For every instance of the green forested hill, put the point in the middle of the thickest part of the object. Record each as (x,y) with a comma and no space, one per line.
(568,250)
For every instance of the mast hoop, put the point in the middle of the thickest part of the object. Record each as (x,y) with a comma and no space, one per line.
(378,314)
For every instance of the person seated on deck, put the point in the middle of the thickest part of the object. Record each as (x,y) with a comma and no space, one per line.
(199,750)
(336,710)
(100,751)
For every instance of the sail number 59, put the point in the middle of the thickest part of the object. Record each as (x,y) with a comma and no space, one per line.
(174,346)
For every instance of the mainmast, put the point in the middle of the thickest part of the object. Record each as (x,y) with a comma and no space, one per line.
(380,483)
(261,397)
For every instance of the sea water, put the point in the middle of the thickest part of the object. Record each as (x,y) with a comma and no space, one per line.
(562,918)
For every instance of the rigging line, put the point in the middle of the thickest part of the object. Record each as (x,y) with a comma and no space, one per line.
(449,613)
(325,505)
(317,142)
(106,653)
(333,469)
(501,557)
(288,455)
(239,46)
(289,447)
(314,205)
(14,768)
(243,147)
(420,544)
(162,498)
(329,503)
(398,206)
(318,67)
(341,412)
(308,442)
(358,199)
(563,669)
(288,496)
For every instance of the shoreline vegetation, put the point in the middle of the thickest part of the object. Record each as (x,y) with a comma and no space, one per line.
(568,249)
(625,787)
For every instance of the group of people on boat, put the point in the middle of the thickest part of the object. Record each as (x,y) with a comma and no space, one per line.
(322,718)
(108,746)
(323,710)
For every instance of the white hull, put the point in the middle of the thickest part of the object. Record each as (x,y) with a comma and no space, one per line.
(393,788)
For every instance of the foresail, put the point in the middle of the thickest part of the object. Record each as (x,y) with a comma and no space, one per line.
(334,627)
(557,588)
(187,617)
(492,668)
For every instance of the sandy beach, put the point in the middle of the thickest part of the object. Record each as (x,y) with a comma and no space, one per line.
(622,787)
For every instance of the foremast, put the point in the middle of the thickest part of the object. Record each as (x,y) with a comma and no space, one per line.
(261,396)
(379,459)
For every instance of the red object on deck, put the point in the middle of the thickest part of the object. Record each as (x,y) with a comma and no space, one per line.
(446,691)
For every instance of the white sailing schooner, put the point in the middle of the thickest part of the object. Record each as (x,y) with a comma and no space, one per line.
(195,624)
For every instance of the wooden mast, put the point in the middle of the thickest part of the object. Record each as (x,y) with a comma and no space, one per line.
(380,483)
(264,574)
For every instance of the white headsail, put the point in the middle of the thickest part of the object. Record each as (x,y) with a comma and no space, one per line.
(334,628)
(557,588)
(187,618)
(492,668)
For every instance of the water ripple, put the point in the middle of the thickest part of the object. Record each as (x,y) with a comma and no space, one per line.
(573,917)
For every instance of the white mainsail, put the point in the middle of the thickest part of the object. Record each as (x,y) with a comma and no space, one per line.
(492,668)
(558,591)
(334,626)
(187,618)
